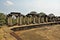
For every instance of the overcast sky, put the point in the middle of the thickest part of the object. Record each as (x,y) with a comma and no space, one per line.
(26,6)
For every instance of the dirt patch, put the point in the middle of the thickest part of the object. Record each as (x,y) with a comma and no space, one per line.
(43,33)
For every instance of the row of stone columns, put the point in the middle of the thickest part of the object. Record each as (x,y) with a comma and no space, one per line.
(33,20)
(24,20)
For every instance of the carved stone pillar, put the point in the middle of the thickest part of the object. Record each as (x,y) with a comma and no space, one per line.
(42,19)
(39,20)
(24,21)
(46,19)
(10,21)
(21,20)
(28,20)
(36,19)
(17,20)
(33,20)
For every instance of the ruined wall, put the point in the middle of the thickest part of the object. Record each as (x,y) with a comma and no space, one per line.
(25,20)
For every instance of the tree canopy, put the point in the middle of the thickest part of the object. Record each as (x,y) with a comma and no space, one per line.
(42,14)
(51,15)
(33,12)
(2,18)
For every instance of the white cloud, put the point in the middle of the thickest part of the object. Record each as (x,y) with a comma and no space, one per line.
(8,3)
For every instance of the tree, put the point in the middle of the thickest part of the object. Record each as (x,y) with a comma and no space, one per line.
(33,12)
(2,18)
(51,15)
(41,14)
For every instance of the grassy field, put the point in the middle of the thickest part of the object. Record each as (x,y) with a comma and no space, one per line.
(43,33)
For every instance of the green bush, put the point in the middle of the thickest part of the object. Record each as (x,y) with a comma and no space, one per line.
(2,19)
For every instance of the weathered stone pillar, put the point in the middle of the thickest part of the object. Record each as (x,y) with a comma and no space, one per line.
(42,19)
(21,20)
(24,20)
(10,21)
(49,19)
(17,19)
(34,20)
(39,20)
(54,19)
(46,19)
(28,20)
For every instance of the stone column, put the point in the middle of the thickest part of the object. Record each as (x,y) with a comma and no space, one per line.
(10,21)
(50,19)
(23,20)
(39,20)
(46,19)
(43,19)
(28,20)
(54,19)
(20,20)
(17,19)
(34,20)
